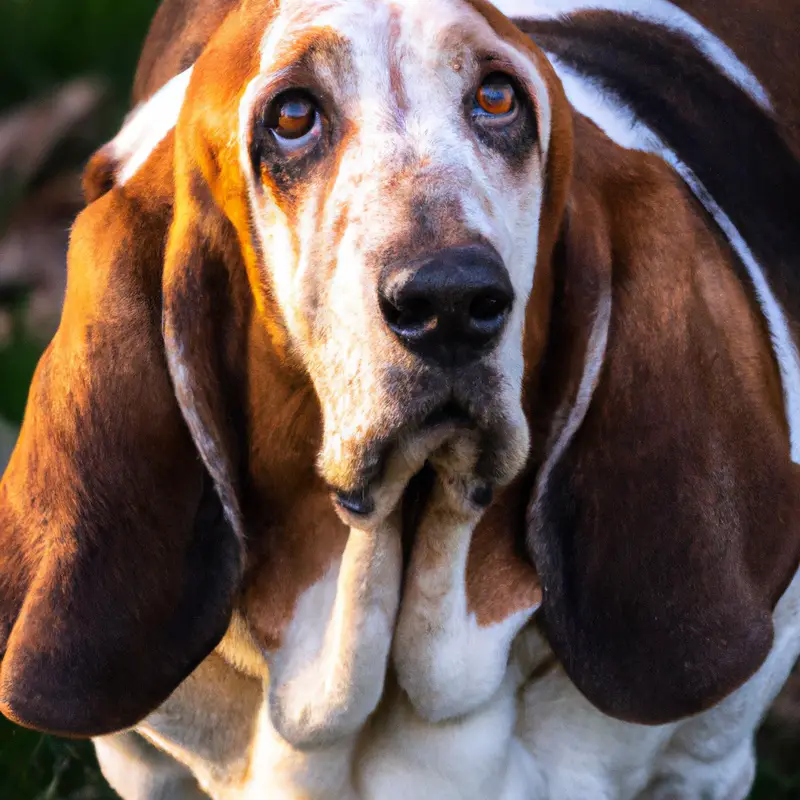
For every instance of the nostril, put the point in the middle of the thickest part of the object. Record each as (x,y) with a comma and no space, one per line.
(415,315)
(488,307)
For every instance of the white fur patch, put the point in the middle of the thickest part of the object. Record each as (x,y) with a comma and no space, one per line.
(660,12)
(473,757)
(447,663)
(146,127)
(327,677)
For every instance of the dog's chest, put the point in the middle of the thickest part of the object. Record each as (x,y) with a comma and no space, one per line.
(543,741)
(536,738)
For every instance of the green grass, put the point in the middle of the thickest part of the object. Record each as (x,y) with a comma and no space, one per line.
(778,775)
(44,43)
(38,767)
(17,363)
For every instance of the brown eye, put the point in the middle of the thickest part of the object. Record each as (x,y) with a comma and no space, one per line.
(294,116)
(495,97)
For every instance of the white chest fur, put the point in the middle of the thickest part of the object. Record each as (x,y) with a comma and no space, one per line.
(537,737)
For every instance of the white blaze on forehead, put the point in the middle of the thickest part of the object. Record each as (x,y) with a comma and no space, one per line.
(659,12)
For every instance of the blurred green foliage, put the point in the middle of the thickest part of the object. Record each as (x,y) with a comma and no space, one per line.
(42,44)
(38,767)
(47,41)
(17,362)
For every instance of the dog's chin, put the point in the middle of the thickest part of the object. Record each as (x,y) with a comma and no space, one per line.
(369,478)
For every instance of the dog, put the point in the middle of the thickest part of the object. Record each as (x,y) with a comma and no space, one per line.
(424,416)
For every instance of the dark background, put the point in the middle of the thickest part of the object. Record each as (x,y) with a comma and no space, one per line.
(66,68)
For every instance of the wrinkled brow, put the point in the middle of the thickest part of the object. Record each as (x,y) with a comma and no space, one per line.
(465,42)
(311,50)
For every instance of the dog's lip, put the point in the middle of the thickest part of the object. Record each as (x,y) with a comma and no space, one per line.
(356,503)
(360,503)
(448,413)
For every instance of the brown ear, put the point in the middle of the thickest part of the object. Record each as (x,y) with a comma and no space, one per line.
(666,519)
(117,566)
(207,311)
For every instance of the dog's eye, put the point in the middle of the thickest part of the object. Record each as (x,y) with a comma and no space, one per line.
(295,117)
(496,100)
(294,120)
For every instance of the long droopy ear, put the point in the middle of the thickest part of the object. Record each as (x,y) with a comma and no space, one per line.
(117,566)
(665,522)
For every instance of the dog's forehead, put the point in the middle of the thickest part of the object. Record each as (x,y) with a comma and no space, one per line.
(432,33)
(378,56)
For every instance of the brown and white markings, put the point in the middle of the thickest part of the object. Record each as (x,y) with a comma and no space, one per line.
(377,305)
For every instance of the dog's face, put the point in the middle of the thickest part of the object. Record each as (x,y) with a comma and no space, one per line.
(394,155)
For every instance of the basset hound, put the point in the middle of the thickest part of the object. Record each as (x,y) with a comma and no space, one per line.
(424,417)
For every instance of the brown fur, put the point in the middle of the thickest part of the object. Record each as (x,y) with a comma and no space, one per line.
(668,530)
(178,34)
(111,591)
(762,34)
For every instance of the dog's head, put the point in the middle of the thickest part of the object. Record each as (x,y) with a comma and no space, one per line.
(370,236)
(388,165)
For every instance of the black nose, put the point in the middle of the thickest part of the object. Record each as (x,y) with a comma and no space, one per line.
(450,306)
